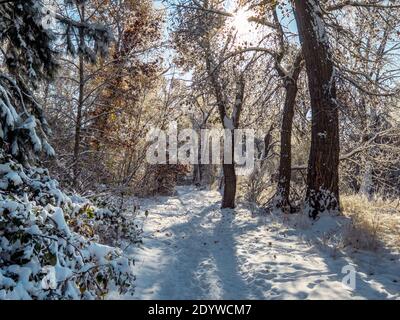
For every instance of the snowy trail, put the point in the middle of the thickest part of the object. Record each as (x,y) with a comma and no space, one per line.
(194,250)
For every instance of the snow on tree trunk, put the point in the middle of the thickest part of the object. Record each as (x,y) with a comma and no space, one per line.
(366,181)
(323,174)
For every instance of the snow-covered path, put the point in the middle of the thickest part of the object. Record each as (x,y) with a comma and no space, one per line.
(194,250)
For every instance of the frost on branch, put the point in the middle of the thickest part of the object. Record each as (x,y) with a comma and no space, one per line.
(29,58)
(23,127)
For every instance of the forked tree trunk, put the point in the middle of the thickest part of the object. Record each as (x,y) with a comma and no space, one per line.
(232,123)
(323,168)
(230,178)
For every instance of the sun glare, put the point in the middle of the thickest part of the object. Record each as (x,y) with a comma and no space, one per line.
(241,22)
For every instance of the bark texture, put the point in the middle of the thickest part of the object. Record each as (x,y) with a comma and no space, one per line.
(323,168)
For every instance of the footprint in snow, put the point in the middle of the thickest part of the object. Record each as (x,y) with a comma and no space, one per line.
(302,295)
(313,284)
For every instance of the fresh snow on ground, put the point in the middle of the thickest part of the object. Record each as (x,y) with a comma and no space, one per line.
(194,250)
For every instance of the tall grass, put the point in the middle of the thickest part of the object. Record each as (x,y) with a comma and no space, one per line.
(373,223)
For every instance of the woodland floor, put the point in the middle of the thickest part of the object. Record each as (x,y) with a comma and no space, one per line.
(194,250)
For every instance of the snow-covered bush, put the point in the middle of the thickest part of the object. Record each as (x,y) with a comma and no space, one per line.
(48,241)
(28,57)
(107,221)
(23,128)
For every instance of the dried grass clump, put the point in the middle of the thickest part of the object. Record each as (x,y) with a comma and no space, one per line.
(373,223)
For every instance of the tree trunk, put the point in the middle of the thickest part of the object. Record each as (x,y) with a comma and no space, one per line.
(230,179)
(285,165)
(196,174)
(228,200)
(323,168)
(229,186)
(78,125)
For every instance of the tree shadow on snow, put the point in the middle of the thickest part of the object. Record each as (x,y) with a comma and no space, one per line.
(208,253)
